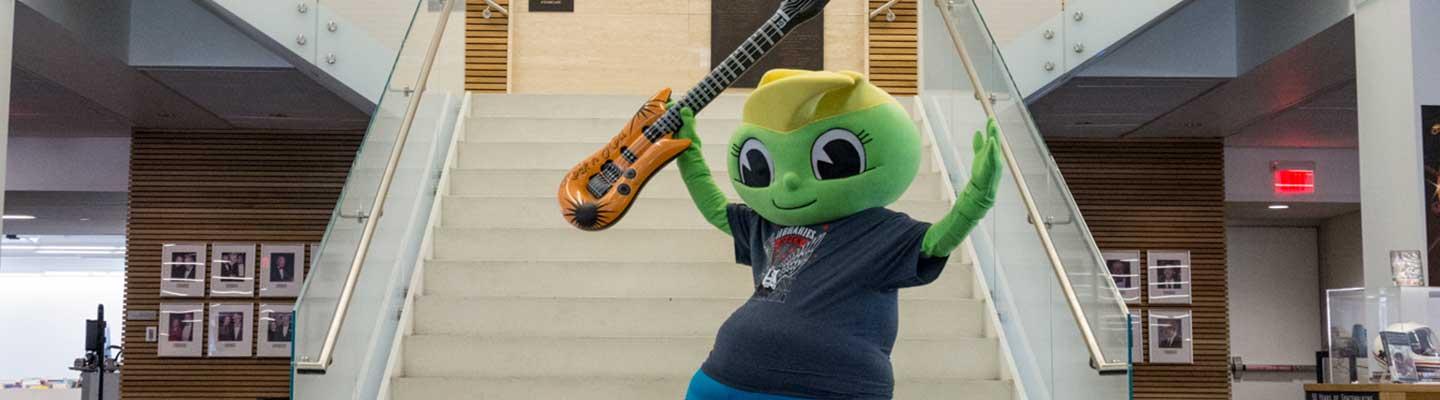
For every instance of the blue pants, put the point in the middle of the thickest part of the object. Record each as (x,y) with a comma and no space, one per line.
(704,388)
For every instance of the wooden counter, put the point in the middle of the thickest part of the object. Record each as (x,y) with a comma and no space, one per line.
(1387,391)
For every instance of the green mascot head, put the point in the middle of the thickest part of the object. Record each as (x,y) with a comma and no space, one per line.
(817,146)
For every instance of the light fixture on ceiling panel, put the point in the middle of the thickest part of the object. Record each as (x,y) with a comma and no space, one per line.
(1279,206)
(18,217)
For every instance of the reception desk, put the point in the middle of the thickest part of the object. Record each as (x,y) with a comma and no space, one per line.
(1388,391)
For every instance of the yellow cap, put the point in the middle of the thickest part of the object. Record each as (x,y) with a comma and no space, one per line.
(788,99)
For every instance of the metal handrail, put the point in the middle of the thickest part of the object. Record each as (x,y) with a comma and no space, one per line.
(352,278)
(492,5)
(887,9)
(1097,358)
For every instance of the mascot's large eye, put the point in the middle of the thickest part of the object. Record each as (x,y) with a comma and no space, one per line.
(756,168)
(837,154)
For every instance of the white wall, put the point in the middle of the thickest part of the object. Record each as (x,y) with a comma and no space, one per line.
(1341,265)
(44,317)
(1275,308)
(7,24)
(1247,174)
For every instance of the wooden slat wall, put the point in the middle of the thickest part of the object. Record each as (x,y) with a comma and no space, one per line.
(892,51)
(1162,195)
(220,187)
(487,48)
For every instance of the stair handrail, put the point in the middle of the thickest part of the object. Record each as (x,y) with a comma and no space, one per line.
(352,277)
(886,8)
(1097,359)
(492,5)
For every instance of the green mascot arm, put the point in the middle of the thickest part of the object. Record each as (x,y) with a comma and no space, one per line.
(707,196)
(977,198)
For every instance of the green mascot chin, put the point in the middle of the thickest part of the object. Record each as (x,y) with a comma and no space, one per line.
(816,160)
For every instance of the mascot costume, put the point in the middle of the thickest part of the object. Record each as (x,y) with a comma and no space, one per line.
(816,160)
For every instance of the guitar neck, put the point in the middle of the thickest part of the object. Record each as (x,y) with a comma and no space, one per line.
(725,73)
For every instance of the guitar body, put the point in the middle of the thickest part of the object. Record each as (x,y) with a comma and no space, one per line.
(577,202)
(599,190)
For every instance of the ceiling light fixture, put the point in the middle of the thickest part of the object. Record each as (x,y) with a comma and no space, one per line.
(17,216)
(1279,206)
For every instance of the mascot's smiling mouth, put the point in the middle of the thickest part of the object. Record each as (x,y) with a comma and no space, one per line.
(777,205)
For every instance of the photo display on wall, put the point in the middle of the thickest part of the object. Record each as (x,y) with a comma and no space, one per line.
(276,330)
(1169,276)
(1171,336)
(182,270)
(1430,150)
(180,327)
(233,272)
(280,271)
(230,329)
(1124,268)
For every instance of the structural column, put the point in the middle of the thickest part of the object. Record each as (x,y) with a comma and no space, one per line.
(7,40)
(1398,71)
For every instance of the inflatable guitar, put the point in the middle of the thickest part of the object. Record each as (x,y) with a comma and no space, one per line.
(598,191)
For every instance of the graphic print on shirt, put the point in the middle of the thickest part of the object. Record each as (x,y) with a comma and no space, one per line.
(787,251)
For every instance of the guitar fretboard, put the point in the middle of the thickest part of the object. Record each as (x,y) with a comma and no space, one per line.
(724,74)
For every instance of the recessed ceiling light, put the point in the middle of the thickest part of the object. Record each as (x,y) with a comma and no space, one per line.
(1279,206)
(84,219)
(9,216)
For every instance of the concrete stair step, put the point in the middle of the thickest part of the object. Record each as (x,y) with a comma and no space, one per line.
(484,105)
(563,156)
(646,317)
(649,388)
(537,212)
(679,279)
(666,184)
(573,106)
(676,357)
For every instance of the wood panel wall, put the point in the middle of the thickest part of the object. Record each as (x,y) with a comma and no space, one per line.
(220,187)
(894,56)
(1162,195)
(487,48)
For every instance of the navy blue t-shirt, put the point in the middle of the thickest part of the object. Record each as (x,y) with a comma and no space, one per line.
(824,314)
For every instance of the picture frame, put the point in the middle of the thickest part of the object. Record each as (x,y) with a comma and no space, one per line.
(231,327)
(1171,337)
(281,271)
(180,330)
(233,272)
(1407,269)
(1124,268)
(1399,357)
(276,334)
(1169,276)
(182,270)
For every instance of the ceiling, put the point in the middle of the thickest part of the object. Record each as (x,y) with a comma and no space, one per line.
(69,86)
(1302,98)
(1239,213)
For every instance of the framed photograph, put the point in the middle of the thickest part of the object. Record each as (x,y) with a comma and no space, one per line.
(1169,276)
(180,329)
(1399,356)
(182,270)
(280,270)
(1124,267)
(230,329)
(1170,337)
(277,330)
(1406,268)
(1137,338)
(233,274)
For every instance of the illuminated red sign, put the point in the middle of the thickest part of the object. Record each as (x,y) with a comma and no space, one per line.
(1294,181)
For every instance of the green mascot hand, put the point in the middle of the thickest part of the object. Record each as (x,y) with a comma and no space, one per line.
(703,191)
(976,199)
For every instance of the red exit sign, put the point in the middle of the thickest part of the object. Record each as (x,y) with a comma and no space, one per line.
(1293,177)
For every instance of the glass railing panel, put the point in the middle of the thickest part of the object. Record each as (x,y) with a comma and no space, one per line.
(360,349)
(1038,318)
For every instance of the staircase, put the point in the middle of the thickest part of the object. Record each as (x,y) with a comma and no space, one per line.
(515,304)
